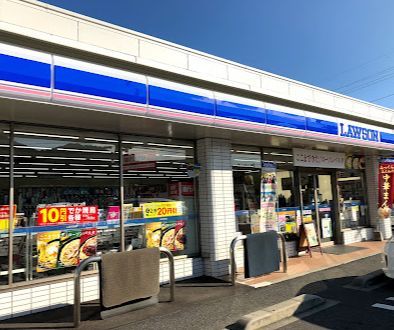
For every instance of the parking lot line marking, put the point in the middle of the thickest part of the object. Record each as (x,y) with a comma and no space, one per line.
(390,298)
(384,306)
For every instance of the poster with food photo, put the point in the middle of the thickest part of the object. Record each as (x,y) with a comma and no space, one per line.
(47,248)
(180,235)
(88,243)
(168,235)
(69,248)
(153,234)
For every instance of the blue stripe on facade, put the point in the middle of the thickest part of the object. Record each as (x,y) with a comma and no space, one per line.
(321,126)
(25,71)
(77,81)
(240,111)
(386,137)
(285,119)
(167,98)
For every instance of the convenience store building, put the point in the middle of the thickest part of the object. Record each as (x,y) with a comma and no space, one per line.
(110,138)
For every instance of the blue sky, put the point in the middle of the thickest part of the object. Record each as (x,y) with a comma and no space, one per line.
(344,46)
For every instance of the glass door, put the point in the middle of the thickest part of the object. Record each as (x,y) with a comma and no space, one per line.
(317,202)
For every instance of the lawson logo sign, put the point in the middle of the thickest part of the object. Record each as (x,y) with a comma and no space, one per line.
(358,132)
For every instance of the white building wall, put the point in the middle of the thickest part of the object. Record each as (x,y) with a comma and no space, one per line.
(33,19)
(38,298)
(216,196)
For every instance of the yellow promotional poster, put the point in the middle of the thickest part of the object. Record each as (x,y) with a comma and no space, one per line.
(153,234)
(162,209)
(5,216)
(48,248)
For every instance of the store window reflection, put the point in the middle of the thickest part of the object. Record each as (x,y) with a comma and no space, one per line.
(352,198)
(4,202)
(159,185)
(66,186)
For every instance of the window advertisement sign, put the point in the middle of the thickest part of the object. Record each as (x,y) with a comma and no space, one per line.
(268,217)
(171,235)
(287,221)
(326,227)
(54,215)
(162,209)
(318,158)
(59,249)
(386,183)
(5,216)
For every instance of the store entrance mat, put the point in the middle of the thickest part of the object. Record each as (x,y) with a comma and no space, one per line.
(341,249)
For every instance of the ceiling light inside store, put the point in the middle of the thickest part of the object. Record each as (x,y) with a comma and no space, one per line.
(85,150)
(133,142)
(247,160)
(103,177)
(63,158)
(90,165)
(32,168)
(24,172)
(44,135)
(177,156)
(100,170)
(100,140)
(76,176)
(169,145)
(31,176)
(166,168)
(104,159)
(45,164)
(248,152)
(280,154)
(71,169)
(36,148)
(279,162)
(243,165)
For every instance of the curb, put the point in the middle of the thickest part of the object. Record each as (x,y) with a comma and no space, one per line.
(278,312)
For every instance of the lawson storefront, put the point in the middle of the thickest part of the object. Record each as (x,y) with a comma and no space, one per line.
(94,159)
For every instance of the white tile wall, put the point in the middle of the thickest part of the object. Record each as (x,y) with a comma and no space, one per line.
(62,27)
(372,175)
(48,296)
(216,196)
(357,235)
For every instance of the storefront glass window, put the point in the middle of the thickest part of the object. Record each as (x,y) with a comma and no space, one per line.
(66,189)
(4,202)
(352,199)
(160,194)
(246,162)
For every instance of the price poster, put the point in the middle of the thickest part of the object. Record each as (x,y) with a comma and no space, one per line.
(54,215)
(60,249)
(268,217)
(162,209)
(5,216)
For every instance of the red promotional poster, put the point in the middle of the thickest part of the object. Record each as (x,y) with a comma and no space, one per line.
(386,184)
(53,215)
(88,243)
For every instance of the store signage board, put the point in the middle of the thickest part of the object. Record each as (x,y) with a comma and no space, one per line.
(54,215)
(358,132)
(5,216)
(129,163)
(162,209)
(318,158)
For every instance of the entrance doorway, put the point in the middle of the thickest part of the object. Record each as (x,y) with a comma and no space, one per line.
(317,202)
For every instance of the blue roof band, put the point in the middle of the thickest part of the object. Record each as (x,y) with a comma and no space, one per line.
(284,119)
(240,111)
(24,71)
(83,82)
(167,98)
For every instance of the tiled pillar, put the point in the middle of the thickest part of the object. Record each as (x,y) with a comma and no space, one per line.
(372,183)
(216,197)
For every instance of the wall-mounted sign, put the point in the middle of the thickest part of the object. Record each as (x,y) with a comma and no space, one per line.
(317,158)
(358,132)
(53,215)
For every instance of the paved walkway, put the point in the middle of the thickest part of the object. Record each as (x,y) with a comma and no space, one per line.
(299,266)
(215,305)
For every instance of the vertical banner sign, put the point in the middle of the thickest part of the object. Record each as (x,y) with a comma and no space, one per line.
(268,220)
(386,184)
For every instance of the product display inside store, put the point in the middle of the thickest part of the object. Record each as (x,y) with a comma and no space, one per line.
(272,194)
(67,197)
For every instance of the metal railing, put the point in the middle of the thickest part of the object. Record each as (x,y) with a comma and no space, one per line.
(86,262)
(233,265)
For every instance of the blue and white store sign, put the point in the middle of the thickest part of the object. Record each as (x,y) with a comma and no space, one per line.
(34,75)
(358,132)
